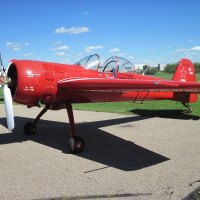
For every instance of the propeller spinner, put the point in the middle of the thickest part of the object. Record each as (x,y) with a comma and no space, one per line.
(4,81)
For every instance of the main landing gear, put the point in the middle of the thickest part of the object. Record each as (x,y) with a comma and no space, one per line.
(189,108)
(76,144)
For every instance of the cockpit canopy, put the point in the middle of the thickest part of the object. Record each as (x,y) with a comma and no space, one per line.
(119,64)
(90,62)
(114,63)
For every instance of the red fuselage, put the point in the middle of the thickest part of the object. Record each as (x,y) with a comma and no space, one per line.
(34,81)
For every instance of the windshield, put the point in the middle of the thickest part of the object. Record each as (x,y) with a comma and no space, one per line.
(90,62)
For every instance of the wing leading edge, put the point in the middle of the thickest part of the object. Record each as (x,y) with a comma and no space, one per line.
(112,84)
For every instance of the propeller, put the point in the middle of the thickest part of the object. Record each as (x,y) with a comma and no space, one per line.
(4,81)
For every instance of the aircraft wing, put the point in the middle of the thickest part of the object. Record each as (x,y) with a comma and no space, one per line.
(113,84)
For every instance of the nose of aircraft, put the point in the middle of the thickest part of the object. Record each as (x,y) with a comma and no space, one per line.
(4,82)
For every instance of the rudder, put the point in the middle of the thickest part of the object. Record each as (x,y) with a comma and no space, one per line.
(185,72)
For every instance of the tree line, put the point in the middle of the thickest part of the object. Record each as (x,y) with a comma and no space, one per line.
(171,68)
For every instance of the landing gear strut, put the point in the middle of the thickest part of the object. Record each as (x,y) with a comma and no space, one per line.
(76,144)
(189,108)
(30,128)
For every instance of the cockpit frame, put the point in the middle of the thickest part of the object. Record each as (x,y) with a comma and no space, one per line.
(114,64)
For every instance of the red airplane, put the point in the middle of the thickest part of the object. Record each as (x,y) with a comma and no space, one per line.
(58,86)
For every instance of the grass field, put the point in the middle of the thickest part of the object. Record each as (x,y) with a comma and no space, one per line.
(147,108)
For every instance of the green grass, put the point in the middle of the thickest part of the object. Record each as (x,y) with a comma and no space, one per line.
(152,108)
(147,108)
(164,75)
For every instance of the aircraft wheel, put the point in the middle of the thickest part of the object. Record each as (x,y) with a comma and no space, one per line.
(30,128)
(189,110)
(76,144)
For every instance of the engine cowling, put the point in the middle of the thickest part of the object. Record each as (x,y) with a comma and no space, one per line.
(31,82)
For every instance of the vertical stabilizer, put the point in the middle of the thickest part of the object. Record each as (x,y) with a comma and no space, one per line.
(185,72)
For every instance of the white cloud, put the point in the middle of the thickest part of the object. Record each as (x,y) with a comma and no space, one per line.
(131,57)
(58,42)
(29,54)
(86,13)
(16,49)
(180,50)
(121,54)
(14,46)
(63,47)
(197,48)
(60,53)
(191,53)
(153,49)
(8,43)
(72,30)
(90,48)
(192,41)
(114,50)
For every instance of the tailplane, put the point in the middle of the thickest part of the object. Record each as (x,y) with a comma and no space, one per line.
(185,72)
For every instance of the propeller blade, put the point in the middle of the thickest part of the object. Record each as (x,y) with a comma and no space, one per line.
(8,107)
(1,64)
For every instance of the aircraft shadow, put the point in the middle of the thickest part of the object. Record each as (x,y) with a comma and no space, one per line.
(171,114)
(101,146)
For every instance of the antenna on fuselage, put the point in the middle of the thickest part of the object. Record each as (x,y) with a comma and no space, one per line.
(145,70)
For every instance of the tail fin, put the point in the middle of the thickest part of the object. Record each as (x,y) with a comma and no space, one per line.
(185,72)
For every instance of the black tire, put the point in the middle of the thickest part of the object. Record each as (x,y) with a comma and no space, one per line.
(76,144)
(189,110)
(30,128)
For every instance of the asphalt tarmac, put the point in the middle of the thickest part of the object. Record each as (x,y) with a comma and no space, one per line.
(126,157)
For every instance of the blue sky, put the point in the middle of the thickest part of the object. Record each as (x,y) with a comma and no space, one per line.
(143,31)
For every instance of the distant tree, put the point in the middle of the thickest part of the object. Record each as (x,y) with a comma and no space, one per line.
(145,67)
(170,68)
(197,67)
(158,67)
(139,71)
(151,71)
(147,70)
